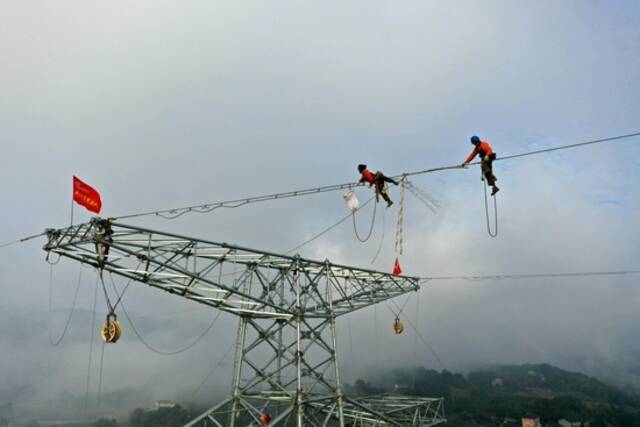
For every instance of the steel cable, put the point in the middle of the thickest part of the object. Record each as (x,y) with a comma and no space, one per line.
(231,204)
(73,307)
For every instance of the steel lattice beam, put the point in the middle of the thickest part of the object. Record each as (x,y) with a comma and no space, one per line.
(213,273)
(286,360)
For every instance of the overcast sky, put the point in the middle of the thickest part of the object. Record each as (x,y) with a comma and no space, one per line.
(163,104)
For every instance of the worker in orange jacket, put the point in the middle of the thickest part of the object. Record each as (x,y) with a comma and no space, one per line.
(378,180)
(487,156)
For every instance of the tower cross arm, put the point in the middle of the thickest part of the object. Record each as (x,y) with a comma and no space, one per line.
(238,280)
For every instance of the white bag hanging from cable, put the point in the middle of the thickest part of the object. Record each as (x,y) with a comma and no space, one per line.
(352,200)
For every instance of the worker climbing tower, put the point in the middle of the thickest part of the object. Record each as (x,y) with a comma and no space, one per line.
(286,370)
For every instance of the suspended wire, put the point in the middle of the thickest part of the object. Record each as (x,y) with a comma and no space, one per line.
(493,233)
(24,239)
(375,333)
(373,220)
(424,341)
(531,153)
(106,294)
(375,257)
(406,301)
(531,276)
(231,204)
(124,290)
(100,373)
(93,327)
(353,363)
(328,229)
(415,338)
(73,307)
(566,147)
(215,367)
(149,346)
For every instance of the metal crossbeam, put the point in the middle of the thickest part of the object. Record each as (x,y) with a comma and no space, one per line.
(286,360)
(213,273)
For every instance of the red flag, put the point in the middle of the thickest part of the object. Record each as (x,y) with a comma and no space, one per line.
(396,268)
(86,196)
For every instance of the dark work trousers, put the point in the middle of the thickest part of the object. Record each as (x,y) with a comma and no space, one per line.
(487,170)
(380,179)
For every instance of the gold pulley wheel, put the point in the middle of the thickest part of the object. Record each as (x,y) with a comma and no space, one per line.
(111,330)
(398,327)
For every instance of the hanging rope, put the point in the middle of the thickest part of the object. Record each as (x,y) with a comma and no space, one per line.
(493,233)
(375,333)
(400,222)
(353,363)
(149,346)
(328,229)
(375,257)
(415,339)
(106,295)
(73,307)
(100,373)
(91,336)
(401,309)
(415,329)
(373,220)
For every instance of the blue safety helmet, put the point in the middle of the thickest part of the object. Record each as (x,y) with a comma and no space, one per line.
(475,140)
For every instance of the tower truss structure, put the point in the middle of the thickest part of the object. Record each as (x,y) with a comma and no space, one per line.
(286,361)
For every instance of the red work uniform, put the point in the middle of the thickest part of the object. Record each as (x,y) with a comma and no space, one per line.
(486,164)
(368,176)
(484,149)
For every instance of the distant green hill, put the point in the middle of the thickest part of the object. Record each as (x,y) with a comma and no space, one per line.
(489,396)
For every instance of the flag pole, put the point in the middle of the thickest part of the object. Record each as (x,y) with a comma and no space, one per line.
(71,208)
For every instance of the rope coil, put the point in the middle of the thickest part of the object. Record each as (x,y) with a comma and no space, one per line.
(373,220)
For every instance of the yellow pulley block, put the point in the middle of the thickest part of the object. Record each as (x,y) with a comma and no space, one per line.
(398,327)
(111,330)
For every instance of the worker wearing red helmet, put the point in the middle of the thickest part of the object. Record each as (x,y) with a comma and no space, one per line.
(487,156)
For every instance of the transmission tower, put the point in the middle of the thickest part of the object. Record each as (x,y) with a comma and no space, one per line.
(286,358)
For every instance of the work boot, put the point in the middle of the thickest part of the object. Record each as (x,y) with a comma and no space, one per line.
(389,203)
(495,190)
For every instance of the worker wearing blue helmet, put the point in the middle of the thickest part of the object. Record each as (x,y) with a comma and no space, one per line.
(487,156)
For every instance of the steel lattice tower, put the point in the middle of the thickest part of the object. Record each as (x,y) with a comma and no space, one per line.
(286,360)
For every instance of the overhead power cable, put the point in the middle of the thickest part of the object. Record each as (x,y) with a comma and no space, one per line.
(215,368)
(231,204)
(328,229)
(73,307)
(532,276)
(417,332)
(24,239)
